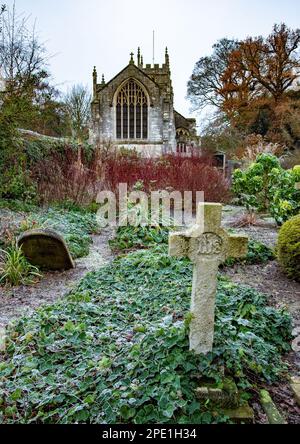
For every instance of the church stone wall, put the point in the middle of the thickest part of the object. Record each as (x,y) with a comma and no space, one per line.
(104,114)
(157,82)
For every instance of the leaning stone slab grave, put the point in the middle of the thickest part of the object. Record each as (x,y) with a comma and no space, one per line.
(46,249)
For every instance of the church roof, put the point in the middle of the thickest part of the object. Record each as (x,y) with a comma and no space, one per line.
(130,65)
(183,122)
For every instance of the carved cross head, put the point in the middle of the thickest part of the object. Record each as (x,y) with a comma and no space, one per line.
(207,239)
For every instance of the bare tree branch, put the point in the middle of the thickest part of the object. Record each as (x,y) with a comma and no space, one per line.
(22,56)
(78,105)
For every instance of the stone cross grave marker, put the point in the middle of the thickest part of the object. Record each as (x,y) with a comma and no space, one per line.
(207,245)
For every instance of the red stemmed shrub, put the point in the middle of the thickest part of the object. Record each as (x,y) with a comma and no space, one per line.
(74,174)
(196,173)
(68,174)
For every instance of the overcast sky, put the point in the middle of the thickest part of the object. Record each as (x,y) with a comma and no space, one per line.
(84,33)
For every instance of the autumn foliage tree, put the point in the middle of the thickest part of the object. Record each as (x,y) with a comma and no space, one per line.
(273,63)
(250,83)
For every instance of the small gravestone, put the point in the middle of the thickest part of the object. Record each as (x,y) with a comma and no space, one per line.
(46,249)
(207,245)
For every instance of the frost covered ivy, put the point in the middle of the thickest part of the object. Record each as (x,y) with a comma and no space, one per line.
(116,349)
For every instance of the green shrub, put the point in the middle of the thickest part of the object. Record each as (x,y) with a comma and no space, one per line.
(266,186)
(17,205)
(296,173)
(19,155)
(70,205)
(15,181)
(93,207)
(41,148)
(288,248)
(15,269)
(141,236)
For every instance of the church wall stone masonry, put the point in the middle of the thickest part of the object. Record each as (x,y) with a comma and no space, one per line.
(135,110)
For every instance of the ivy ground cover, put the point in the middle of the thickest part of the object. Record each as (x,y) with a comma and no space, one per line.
(116,351)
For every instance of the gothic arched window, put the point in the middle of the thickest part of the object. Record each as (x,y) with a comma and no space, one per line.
(132,112)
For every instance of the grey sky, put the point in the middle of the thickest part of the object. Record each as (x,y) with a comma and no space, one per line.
(82,34)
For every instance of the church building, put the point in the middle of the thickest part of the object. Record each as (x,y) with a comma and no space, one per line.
(135,110)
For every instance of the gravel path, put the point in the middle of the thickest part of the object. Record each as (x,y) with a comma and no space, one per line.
(266,232)
(270,280)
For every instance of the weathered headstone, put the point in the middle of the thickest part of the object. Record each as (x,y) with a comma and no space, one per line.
(207,245)
(46,249)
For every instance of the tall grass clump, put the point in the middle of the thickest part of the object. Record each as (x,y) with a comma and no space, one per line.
(15,269)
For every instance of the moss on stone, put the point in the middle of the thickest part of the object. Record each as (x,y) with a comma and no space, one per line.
(274,417)
(224,395)
(242,415)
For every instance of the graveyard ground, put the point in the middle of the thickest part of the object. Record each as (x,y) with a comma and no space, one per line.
(137,321)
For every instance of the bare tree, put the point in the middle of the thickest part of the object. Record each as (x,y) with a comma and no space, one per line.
(2,10)
(78,104)
(206,86)
(22,56)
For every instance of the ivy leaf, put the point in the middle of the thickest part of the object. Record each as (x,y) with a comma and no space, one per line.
(127,412)
(16,395)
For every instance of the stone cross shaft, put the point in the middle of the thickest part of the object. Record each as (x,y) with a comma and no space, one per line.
(207,245)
